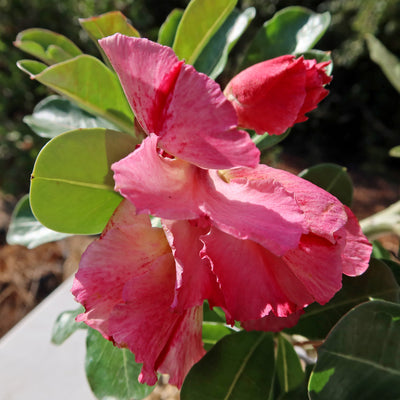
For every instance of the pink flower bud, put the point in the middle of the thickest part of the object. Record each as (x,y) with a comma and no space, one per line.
(273,95)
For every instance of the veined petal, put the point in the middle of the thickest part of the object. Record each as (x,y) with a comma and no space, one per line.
(200,125)
(127,247)
(324,214)
(195,281)
(147,72)
(250,204)
(158,185)
(357,250)
(185,108)
(254,282)
(145,323)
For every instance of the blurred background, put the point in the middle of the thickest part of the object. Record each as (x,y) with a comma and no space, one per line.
(355,126)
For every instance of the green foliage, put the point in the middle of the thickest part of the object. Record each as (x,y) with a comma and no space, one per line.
(72,187)
(112,373)
(66,325)
(359,359)
(26,230)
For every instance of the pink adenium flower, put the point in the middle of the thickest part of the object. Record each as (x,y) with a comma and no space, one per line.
(260,243)
(273,95)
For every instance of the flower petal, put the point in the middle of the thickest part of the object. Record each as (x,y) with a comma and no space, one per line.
(185,108)
(127,247)
(251,204)
(357,249)
(200,125)
(161,339)
(324,214)
(195,281)
(254,282)
(147,72)
(271,323)
(157,185)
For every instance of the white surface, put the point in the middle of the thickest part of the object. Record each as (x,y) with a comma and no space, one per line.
(32,368)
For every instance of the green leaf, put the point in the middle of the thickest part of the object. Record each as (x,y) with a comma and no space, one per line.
(214,56)
(388,62)
(214,331)
(239,367)
(200,21)
(291,30)
(288,367)
(377,282)
(26,230)
(360,357)
(66,325)
(91,85)
(106,25)
(31,67)
(55,115)
(167,32)
(72,188)
(112,373)
(395,151)
(48,46)
(379,252)
(333,178)
(266,141)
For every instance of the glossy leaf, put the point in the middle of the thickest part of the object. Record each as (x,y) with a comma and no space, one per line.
(214,331)
(292,30)
(377,282)
(360,358)
(55,115)
(112,373)
(167,32)
(266,141)
(288,367)
(239,367)
(200,21)
(48,46)
(387,61)
(214,56)
(31,67)
(333,178)
(26,230)
(106,25)
(72,187)
(91,85)
(66,325)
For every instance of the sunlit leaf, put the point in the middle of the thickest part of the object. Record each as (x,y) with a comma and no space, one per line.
(377,282)
(200,21)
(106,25)
(66,325)
(239,367)
(167,32)
(386,60)
(55,115)
(48,46)
(214,331)
(72,187)
(91,85)
(291,30)
(112,372)
(214,56)
(333,178)
(266,141)
(360,358)
(288,367)
(26,230)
